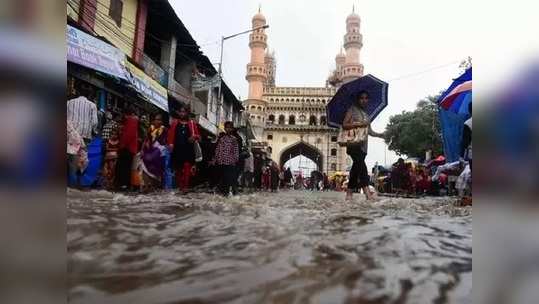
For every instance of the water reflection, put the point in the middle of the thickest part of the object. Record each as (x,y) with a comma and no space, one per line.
(289,247)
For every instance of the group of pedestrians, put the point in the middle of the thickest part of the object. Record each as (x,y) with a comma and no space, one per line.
(266,175)
(141,155)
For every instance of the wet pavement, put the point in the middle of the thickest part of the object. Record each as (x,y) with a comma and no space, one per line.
(286,247)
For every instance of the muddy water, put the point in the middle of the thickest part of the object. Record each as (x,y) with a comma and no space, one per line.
(289,247)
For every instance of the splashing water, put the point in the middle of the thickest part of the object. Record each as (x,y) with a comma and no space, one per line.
(286,247)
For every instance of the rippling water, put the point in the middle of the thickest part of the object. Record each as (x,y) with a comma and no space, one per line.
(288,247)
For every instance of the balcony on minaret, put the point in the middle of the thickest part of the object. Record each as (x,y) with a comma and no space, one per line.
(257,39)
(351,72)
(256,71)
(353,40)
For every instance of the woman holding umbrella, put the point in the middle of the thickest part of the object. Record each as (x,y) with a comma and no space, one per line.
(357,118)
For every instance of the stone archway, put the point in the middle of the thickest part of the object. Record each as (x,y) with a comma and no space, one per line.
(305,149)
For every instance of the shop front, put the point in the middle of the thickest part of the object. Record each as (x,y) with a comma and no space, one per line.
(116,83)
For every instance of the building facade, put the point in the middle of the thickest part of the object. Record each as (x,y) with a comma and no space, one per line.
(291,121)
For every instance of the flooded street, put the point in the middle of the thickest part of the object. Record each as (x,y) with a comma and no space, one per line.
(287,247)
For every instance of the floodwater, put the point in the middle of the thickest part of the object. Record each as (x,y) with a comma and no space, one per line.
(286,247)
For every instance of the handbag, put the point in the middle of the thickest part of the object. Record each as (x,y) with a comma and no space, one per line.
(354,136)
(198,152)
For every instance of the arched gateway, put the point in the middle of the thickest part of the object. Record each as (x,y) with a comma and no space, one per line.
(305,149)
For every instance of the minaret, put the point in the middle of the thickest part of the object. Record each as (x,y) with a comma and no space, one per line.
(340,59)
(353,42)
(271,67)
(256,76)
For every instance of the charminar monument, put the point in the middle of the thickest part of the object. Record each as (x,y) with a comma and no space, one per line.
(289,121)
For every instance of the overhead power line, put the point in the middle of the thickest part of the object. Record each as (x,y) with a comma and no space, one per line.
(424,71)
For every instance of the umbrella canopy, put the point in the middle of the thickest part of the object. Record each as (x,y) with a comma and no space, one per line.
(348,94)
(458,96)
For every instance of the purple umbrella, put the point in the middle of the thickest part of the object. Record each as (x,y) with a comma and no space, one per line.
(348,94)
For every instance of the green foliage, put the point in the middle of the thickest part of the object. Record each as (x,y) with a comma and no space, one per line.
(466,63)
(414,133)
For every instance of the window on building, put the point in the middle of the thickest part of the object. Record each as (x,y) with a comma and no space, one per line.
(333,152)
(312,120)
(333,138)
(333,167)
(115,11)
(281,119)
(323,120)
(292,120)
(271,118)
(270,137)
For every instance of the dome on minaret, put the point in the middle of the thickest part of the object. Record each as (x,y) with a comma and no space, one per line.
(353,17)
(259,17)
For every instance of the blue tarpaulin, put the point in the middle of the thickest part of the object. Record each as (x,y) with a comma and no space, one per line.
(169,175)
(451,123)
(95,158)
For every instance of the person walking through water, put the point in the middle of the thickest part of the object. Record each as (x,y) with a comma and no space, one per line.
(128,148)
(153,156)
(248,172)
(357,118)
(227,155)
(182,135)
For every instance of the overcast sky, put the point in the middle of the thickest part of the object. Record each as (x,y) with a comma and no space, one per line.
(416,46)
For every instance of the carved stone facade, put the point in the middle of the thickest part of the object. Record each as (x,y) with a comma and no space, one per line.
(290,121)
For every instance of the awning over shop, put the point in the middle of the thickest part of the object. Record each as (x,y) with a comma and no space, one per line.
(207,125)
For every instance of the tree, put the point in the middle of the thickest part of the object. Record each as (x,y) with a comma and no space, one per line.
(466,63)
(414,133)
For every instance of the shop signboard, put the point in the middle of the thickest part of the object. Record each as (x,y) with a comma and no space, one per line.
(153,70)
(88,51)
(147,86)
